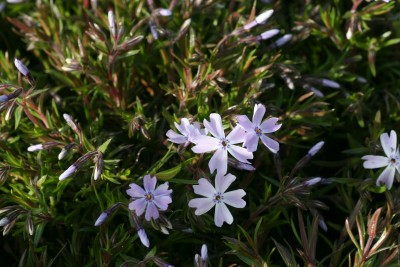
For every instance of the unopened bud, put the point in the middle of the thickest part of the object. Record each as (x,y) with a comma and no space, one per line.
(71,170)
(4,221)
(21,67)
(259,19)
(312,181)
(165,12)
(103,216)
(268,34)
(283,40)
(111,23)
(329,83)
(314,150)
(204,252)
(143,238)
(35,148)
(70,122)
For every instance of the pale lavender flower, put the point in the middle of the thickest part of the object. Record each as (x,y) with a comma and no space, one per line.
(150,199)
(188,132)
(216,196)
(221,144)
(255,130)
(391,161)
(143,238)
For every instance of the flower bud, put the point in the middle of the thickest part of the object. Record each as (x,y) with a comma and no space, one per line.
(21,67)
(143,238)
(111,23)
(103,216)
(268,34)
(314,150)
(283,40)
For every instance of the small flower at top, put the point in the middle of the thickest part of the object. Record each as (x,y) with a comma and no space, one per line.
(256,130)
(150,198)
(391,161)
(221,144)
(188,132)
(216,196)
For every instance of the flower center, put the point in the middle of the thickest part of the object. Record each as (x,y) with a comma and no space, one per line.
(224,143)
(393,160)
(218,197)
(258,131)
(149,196)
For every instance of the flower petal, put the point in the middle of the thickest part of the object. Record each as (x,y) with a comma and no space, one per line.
(176,138)
(162,190)
(270,126)
(135,191)
(162,202)
(149,183)
(222,214)
(215,125)
(237,135)
(138,205)
(205,144)
(245,123)
(183,127)
(223,182)
(259,111)
(386,177)
(389,143)
(270,143)
(219,161)
(251,142)
(151,211)
(240,153)
(234,198)
(373,162)
(204,188)
(202,205)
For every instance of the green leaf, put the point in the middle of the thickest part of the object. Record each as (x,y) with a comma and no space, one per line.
(104,146)
(171,173)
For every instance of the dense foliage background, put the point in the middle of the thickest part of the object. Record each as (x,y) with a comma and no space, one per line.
(336,80)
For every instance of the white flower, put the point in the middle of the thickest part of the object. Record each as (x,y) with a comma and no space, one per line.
(391,161)
(150,199)
(217,197)
(255,130)
(221,144)
(188,132)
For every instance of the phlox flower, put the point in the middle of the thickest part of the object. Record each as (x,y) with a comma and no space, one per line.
(255,130)
(221,144)
(188,132)
(391,161)
(216,196)
(150,198)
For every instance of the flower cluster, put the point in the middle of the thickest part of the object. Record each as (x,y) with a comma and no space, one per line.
(246,132)
(391,161)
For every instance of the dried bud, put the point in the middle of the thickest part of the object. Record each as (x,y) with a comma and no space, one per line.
(14,94)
